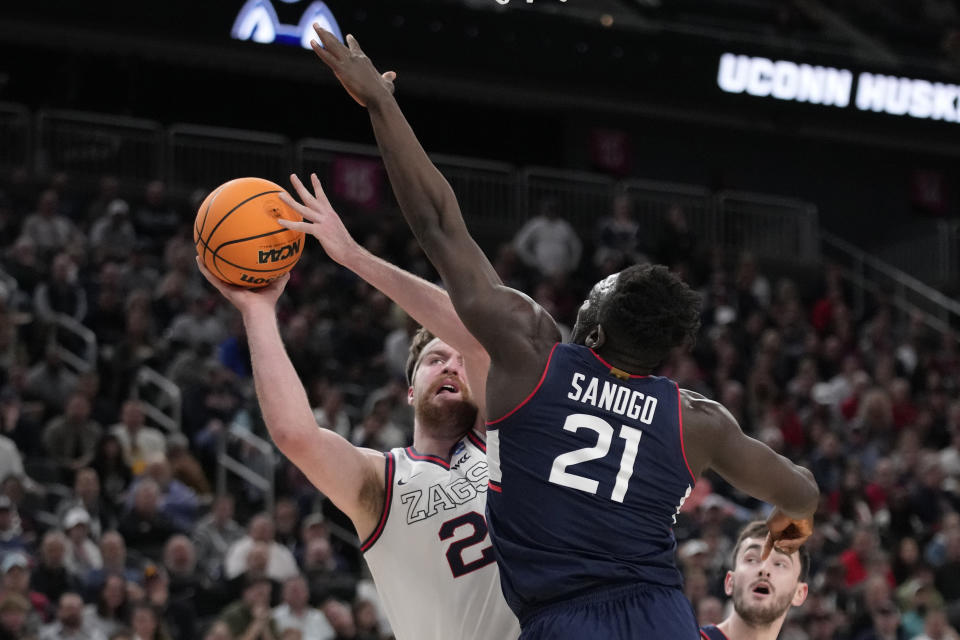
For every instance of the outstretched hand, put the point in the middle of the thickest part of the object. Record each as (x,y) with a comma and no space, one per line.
(325,225)
(353,69)
(786,534)
(247,299)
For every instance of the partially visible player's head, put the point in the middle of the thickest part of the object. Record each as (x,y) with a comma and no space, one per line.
(763,590)
(644,311)
(438,389)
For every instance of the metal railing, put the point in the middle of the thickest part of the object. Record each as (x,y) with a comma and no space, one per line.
(582,198)
(15,147)
(91,145)
(75,344)
(243,469)
(870,275)
(209,156)
(160,398)
(930,253)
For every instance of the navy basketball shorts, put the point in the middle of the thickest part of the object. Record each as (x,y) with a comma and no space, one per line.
(633,612)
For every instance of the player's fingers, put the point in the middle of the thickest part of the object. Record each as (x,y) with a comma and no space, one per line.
(354,45)
(320,194)
(324,54)
(303,227)
(767,547)
(217,283)
(304,211)
(390,76)
(301,190)
(330,42)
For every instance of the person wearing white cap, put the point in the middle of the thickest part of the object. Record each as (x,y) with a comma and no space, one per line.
(83,554)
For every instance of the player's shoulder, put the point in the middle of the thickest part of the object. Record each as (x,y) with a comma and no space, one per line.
(701,414)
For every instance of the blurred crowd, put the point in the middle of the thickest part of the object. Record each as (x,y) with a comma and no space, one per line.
(111,526)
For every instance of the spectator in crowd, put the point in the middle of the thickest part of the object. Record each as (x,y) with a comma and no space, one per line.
(83,555)
(47,228)
(215,534)
(14,612)
(219,631)
(71,439)
(281,564)
(187,582)
(548,243)
(144,525)
(250,617)
(50,382)
(11,535)
(86,496)
(325,577)
(60,294)
(111,468)
(51,577)
(154,220)
(116,561)
(885,624)
(70,623)
(146,623)
(332,412)
(340,617)
(617,237)
(110,611)
(137,441)
(24,265)
(185,467)
(178,503)
(11,463)
(16,581)
(296,613)
(112,236)
(285,518)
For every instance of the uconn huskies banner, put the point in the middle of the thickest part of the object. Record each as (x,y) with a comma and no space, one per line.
(839,88)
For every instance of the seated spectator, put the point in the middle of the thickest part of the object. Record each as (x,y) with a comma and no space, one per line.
(61,293)
(70,623)
(885,624)
(11,535)
(186,581)
(325,577)
(86,496)
(113,550)
(146,623)
(340,616)
(50,382)
(10,461)
(139,442)
(112,236)
(177,614)
(548,243)
(250,617)
(281,564)
(145,526)
(71,439)
(185,467)
(47,228)
(50,577)
(218,631)
(332,412)
(111,610)
(366,620)
(16,581)
(286,515)
(14,612)
(178,502)
(296,612)
(109,464)
(215,534)
(83,555)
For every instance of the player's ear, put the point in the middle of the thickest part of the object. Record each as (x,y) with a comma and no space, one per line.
(728,583)
(800,595)
(410,395)
(595,338)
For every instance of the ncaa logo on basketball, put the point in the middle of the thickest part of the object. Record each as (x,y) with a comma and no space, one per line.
(275,255)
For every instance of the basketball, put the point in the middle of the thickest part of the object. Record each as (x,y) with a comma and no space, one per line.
(238,238)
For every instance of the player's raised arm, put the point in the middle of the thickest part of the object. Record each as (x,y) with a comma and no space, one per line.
(513,329)
(715,441)
(426,303)
(352,478)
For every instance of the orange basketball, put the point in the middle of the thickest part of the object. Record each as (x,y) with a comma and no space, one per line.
(237,235)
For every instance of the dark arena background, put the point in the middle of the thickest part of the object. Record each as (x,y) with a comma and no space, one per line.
(797,161)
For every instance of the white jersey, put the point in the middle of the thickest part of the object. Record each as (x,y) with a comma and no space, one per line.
(430,555)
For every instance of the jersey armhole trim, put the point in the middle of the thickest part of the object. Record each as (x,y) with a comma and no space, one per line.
(532,393)
(683,449)
(389,468)
(477,441)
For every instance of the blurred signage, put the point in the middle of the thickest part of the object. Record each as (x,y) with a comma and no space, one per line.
(258,21)
(829,86)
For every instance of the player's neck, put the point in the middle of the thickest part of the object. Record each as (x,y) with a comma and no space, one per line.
(736,628)
(434,445)
(624,361)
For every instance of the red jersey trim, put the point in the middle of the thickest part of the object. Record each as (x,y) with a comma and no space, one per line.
(610,366)
(494,486)
(416,455)
(683,449)
(477,441)
(532,393)
(389,468)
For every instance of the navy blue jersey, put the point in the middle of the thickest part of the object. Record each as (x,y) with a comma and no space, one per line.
(711,632)
(586,478)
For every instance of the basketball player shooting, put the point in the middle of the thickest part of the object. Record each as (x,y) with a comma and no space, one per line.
(590,455)
(418,510)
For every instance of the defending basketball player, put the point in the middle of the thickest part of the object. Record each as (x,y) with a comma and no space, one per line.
(762,590)
(418,510)
(590,456)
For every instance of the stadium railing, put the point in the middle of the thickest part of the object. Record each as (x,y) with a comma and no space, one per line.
(200,156)
(15,140)
(870,275)
(930,254)
(88,146)
(75,344)
(160,398)
(227,463)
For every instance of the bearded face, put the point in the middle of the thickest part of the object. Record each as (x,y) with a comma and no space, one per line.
(440,394)
(763,591)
